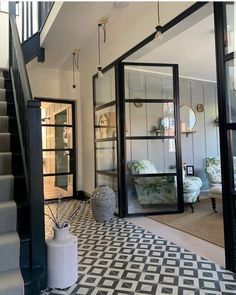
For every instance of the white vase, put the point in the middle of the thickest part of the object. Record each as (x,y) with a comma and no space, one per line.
(62,259)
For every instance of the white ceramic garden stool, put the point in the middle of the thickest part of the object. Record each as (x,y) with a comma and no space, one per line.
(62,259)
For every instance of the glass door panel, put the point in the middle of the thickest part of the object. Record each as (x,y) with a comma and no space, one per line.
(157,119)
(105,122)
(151,132)
(105,88)
(58,148)
(148,82)
(105,131)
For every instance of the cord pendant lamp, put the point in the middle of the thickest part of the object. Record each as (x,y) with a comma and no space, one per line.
(158,35)
(101,26)
(75,64)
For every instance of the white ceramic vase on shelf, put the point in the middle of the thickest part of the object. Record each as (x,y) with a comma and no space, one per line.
(62,259)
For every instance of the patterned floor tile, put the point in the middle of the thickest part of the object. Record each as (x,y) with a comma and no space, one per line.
(120,258)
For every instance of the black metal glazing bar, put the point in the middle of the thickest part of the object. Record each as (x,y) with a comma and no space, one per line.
(105,105)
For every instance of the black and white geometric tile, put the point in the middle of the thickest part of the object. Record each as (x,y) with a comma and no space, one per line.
(120,258)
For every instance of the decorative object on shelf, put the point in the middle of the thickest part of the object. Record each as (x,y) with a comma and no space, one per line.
(62,256)
(103,203)
(200,107)
(189,169)
(75,63)
(101,25)
(158,35)
(138,103)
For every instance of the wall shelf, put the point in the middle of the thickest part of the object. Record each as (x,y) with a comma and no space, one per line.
(188,132)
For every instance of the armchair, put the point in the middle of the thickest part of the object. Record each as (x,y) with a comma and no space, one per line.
(161,189)
(213,172)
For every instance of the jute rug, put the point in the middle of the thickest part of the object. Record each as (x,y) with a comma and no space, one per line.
(203,223)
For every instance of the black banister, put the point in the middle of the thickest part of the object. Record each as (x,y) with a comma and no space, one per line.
(28,114)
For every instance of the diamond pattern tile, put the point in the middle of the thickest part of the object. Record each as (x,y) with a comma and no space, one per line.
(120,258)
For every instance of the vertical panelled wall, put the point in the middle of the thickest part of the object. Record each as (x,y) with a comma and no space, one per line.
(205,142)
(195,147)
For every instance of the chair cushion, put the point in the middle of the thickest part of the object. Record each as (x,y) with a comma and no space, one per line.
(141,167)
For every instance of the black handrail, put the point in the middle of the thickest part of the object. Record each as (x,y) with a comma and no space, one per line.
(28,115)
(21,89)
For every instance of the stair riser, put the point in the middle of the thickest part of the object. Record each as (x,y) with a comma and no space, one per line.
(4,142)
(6,188)
(3,109)
(4,125)
(7,218)
(9,256)
(2,84)
(5,163)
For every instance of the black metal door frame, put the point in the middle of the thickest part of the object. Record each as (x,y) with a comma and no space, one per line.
(122,138)
(73,150)
(226,128)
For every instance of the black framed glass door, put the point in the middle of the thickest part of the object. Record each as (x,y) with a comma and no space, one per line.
(226,78)
(58,143)
(152,149)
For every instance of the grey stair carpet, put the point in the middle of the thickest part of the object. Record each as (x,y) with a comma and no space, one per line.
(3,108)
(11,282)
(6,187)
(7,216)
(2,82)
(5,163)
(5,142)
(4,121)
(2,94)
(9,251)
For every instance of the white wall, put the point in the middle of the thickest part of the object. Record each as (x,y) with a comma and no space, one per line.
(4,40)
(136,22)
(54,83)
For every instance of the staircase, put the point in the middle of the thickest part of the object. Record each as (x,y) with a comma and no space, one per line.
(11,281)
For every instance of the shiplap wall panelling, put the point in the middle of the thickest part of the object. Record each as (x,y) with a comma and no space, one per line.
(211,113)
(186,142)
(199,143)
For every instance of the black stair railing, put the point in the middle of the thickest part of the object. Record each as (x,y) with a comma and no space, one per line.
(28,115)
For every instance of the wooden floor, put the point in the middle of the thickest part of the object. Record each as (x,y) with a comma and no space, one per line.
(189,242)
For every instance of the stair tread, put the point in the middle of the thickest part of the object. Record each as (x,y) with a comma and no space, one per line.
(6,238)
(12,280)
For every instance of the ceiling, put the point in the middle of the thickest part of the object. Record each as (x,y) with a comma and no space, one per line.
(192,46)
(193,50)
(76,27)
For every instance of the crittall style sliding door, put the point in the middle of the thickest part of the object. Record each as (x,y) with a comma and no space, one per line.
(149,134)
(226,76)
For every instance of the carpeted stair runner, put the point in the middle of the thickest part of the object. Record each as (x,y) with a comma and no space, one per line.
(11,282)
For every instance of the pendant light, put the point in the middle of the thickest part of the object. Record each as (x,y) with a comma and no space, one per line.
(158,35)
(75,63)
(101,26)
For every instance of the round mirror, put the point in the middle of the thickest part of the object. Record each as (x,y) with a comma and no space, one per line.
(187,118)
